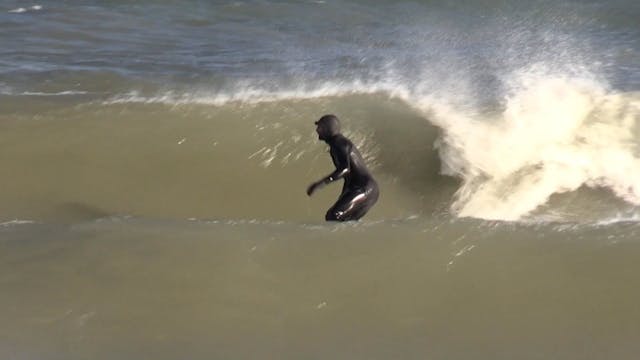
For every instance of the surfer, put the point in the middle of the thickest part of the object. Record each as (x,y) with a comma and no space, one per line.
(360,190)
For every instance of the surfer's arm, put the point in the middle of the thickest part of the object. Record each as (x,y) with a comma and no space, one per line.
(340,156)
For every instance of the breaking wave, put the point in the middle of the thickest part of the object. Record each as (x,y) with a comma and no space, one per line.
(549,135)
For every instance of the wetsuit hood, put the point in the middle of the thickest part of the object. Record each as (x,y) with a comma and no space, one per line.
(328,127)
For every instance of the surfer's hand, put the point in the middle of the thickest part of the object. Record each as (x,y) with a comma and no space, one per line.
(312,188)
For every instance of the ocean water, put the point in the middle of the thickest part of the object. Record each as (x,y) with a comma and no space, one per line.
(155,156)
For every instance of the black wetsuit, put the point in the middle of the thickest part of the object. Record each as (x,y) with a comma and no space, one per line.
(360,190)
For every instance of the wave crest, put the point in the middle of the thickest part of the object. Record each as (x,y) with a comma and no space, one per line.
(251,94)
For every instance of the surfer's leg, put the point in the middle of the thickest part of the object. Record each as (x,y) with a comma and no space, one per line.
(363,207)
(340,210)
(353,205)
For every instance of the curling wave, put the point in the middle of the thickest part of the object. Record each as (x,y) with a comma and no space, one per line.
(551,135)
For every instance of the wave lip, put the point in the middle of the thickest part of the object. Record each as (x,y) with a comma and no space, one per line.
(251,94)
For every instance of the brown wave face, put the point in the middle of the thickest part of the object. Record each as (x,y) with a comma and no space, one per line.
(236,161)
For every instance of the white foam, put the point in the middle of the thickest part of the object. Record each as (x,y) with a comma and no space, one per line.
(16,222)
(619,218)
(554,135)
(23,10)
(61,93)
(6,90)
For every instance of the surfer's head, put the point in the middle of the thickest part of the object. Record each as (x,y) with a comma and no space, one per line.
(328,126)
